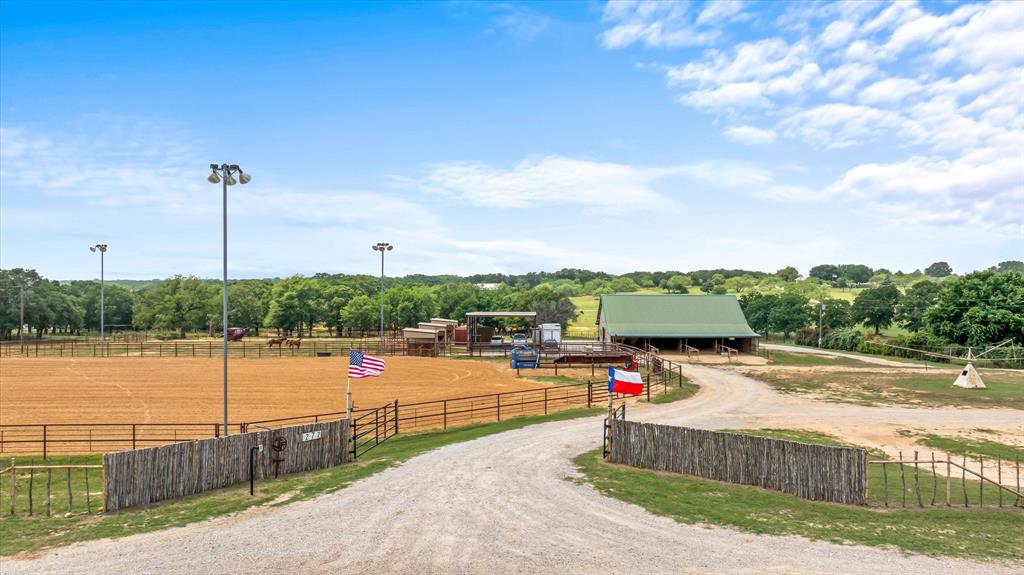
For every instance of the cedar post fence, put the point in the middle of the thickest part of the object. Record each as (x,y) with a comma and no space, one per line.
(815,472)
(160,473)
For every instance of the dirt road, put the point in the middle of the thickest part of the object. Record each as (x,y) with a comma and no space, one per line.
(502,504)
(833,353)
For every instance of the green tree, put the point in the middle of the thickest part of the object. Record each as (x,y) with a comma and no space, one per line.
(789,313)
(938,270)
(677,284)
(623,285)
(739,283)
(757,308)
(1008,266)
(979,308)
(247,304)
(788,274)
(837,313)
(360,312)
(914,303)
(178,303)
(712,283)
(551,307)
(824,272)
(876,307)
(117,303)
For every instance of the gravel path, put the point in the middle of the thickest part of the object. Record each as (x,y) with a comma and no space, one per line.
(501,504)
(832,353)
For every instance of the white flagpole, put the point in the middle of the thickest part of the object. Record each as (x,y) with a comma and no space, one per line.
(348,398)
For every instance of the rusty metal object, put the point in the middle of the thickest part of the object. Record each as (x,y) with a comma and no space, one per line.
(278,445)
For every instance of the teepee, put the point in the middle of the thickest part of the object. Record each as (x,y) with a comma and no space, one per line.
(969,377)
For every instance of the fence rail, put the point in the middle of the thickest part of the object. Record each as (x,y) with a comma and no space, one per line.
(69,438)
(72,493)
(215,349)
(907,482)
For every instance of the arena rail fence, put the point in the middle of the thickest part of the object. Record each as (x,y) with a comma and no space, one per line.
(814,472)
(308,347)
(70,438)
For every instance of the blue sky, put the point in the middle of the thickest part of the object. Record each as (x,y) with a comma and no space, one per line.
(510,137)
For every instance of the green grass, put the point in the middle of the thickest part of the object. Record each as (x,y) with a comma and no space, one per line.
(557,380)
(969,446)
(27,534)
(992,534)
(871,387)
(686,390)
(785,358)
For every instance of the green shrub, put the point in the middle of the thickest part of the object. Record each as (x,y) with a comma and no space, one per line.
(846,339)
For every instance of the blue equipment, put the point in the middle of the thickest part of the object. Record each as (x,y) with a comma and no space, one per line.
(525,357)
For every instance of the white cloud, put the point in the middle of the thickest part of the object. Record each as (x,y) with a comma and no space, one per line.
(837,33)
(520,22)
(750,135)
(653,23)
(719,11)
(547,180)
(889,91)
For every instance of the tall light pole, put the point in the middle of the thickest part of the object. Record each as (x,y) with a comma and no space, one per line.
(226,173)
(382,247)
(21,318)
(102,248)
(821,315)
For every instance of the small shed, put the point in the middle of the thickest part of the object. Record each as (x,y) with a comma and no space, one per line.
(438,327)
(423,342)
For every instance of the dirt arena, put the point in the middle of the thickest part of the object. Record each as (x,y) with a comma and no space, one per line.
(168,390)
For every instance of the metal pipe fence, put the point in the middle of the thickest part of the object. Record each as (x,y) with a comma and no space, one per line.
(214,349)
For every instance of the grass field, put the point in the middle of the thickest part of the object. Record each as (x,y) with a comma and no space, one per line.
(784,358)
(27,534)
(880,387)
(153,390)
(970,446)
(940,531)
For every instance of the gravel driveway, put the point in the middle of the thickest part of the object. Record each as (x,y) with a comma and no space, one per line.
(501,504)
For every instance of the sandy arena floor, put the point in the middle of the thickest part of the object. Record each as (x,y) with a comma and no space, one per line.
(154,390)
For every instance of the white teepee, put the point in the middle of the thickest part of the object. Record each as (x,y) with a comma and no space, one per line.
(969,377)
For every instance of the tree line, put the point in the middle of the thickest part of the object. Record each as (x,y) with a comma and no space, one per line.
(979,307)
(976,309)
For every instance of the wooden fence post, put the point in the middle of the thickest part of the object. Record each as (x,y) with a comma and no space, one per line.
(903,483)
(917,481)
(49,481)
(69,490)
(949,475)
(88,497)
(31,480)
(14,484)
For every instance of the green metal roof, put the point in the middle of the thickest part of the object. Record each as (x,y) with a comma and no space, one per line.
(629,315)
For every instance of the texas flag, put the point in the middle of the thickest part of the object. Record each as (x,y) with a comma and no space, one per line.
(624,382)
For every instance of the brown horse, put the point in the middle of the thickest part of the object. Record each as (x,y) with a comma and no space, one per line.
(294,343)
(277,341)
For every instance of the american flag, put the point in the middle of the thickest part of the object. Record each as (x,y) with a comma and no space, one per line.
(361,365)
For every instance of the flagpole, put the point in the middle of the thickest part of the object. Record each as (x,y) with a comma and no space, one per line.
(348,398)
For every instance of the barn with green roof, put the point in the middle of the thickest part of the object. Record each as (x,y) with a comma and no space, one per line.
(673,322)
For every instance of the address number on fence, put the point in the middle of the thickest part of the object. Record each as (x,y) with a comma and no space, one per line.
(311,435)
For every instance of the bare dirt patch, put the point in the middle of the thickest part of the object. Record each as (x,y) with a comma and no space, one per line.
(154,390)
